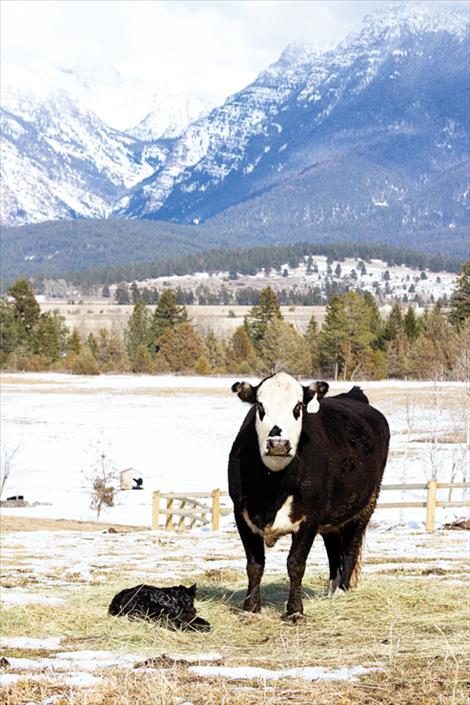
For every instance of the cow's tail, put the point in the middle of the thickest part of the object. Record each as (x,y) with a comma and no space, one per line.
(357,394)
(356,573)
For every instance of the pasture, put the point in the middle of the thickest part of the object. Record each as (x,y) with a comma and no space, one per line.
(399,638)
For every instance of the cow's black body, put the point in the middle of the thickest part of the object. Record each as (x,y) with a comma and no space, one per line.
(333,480)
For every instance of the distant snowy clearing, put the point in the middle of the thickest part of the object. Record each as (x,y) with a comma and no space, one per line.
(176,432)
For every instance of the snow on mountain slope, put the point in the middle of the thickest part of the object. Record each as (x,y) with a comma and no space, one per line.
(58,158)
(394,94)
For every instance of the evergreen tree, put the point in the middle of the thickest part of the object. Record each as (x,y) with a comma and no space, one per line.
(167,314)
(285,349)
(215,353)
(26,309)
(110,352)
(92,345)
(74,342)
(49,337)
(142,361)
(181,346)
(105,292)
(9,337)
(311,340)
(122,295)
(260,316)
(138,329)
(459,304)
(393,323)
(411,324)
(240,355)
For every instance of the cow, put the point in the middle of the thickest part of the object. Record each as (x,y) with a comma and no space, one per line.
(303,464)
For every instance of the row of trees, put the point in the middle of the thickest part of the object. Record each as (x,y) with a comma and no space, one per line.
(353,342)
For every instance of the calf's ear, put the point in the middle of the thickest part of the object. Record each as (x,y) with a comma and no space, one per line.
(192,590)
(245,391)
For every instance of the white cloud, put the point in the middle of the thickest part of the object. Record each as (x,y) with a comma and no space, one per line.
(214,47)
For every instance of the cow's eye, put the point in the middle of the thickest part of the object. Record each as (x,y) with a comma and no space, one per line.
(261,411)
(297,409)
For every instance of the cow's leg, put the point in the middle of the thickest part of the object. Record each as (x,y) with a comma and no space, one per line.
(334,548)
(254,549)
(302,542)
(352,536)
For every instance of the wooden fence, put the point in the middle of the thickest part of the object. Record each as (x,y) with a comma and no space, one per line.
(192,508)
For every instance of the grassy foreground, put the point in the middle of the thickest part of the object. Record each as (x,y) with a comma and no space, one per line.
(413,631)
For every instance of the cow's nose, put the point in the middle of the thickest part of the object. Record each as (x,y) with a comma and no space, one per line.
(275,431)
(278,446)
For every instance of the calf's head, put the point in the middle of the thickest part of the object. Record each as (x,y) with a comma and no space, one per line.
(280,402)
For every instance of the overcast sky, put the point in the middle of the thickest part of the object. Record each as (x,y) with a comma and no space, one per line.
(200,46)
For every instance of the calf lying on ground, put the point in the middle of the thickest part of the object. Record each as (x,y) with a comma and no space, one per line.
(174,606)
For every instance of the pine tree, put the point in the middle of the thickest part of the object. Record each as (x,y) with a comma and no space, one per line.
(142,361)
(138,329)
(459,304)
(215,353)
(9,337)
(74,342)
(26,309)
(311,340)
(411,324)
(167,314)
(49,337)
(181,346)
(393,323)
(111,354)
(240,355)
(260,316)
(122,295)
(284,349)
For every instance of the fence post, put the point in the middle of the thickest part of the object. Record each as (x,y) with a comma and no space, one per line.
(431,506)
(215,509)
(169,516)
(155,509)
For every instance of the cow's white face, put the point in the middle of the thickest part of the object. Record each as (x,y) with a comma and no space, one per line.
(279,407)
(280,401)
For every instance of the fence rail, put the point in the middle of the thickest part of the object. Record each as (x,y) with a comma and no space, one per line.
(184,506)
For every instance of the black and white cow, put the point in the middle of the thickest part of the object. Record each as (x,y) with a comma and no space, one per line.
(302,464)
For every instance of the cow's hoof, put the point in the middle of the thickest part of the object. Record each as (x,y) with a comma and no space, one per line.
(293,617)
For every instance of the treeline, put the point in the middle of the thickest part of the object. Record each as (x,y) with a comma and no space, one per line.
(251,260)
(353,342)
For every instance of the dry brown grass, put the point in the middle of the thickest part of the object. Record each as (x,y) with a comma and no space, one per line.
(10,523)
(413,632)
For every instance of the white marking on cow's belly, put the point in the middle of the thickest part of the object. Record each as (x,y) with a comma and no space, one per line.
(282,524)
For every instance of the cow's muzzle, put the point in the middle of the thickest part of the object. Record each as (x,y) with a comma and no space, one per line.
(278,447)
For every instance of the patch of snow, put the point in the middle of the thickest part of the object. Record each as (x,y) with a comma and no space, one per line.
(310,673)
(26,642)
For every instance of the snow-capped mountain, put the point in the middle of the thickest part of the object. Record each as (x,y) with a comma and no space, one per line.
(350,137)
(370,139)
(73,142)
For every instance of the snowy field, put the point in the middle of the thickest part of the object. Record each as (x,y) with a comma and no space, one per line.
(402,633)
(176,433)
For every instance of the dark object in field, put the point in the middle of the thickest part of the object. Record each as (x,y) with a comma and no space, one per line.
(458,524)
(4,662)
(298,470)
(139,483)
(174,606)
(16,498)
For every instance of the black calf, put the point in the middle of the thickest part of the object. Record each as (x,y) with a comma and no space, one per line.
(173,605)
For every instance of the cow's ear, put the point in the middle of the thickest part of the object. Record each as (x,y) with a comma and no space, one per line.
(318,388)
(322,388)
(192,590)
(245,391)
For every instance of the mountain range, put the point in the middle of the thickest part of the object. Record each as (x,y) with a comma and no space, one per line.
(368,141)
